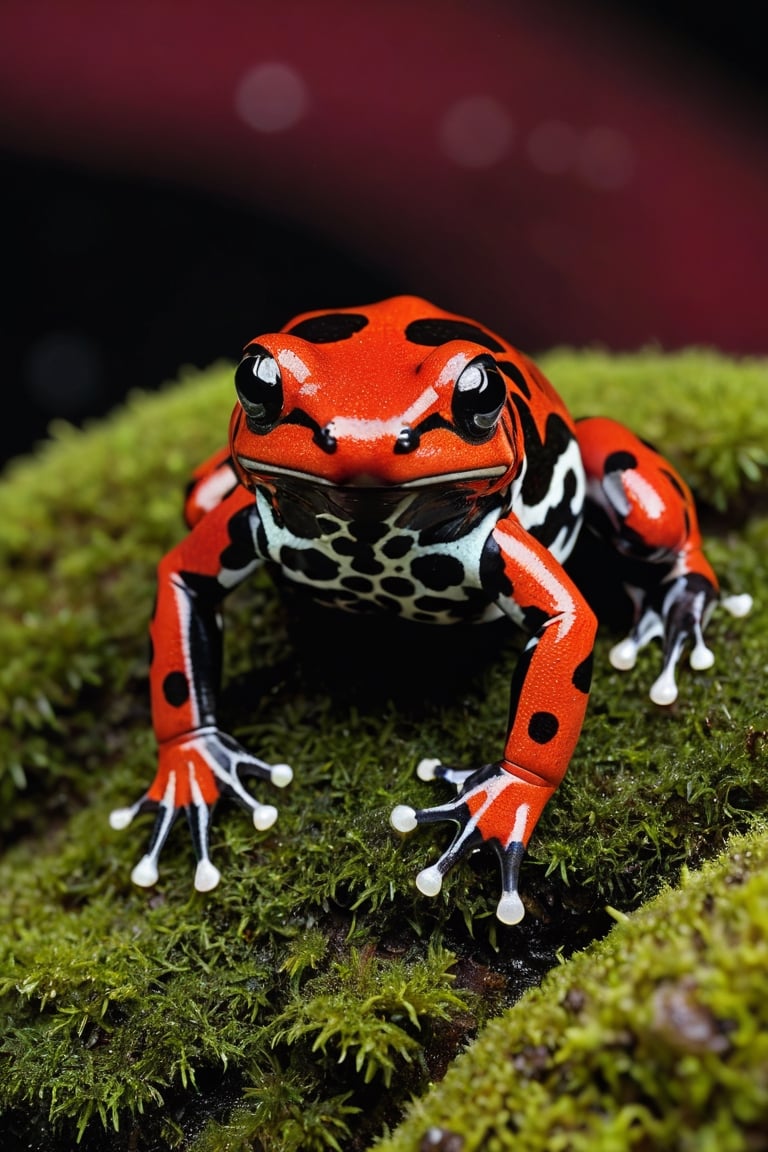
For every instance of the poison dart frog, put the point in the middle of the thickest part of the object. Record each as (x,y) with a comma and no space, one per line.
(401,459)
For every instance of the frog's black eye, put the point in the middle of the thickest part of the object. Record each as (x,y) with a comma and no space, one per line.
(478,398)
(259,388)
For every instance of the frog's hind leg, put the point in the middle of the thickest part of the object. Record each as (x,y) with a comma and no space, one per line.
(211,482)
(638,503)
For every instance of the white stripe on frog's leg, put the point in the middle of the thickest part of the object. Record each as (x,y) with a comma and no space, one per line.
(216,487)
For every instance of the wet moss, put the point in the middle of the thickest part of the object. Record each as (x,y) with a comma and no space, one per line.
(310,997)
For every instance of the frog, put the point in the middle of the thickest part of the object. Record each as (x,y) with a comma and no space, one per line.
(400,459)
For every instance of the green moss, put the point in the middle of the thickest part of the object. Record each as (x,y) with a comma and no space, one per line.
(315,992)
(654,1038)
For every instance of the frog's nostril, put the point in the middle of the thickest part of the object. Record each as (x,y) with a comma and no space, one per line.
(326,440)
(407,441)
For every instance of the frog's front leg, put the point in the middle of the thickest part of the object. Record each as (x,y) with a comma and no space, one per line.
(197,763)
(500,804)
(643,507)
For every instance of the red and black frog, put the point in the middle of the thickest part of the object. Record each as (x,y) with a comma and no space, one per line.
(400,459)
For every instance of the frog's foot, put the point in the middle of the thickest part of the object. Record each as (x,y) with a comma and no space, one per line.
(677,614)
(497,806)
(193,772)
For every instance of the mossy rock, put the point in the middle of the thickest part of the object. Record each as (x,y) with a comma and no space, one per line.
(307,1000)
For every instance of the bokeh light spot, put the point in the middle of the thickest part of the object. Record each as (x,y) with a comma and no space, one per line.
(476,132)
(271,97)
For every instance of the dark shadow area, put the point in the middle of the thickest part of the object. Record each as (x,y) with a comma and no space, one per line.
(116,283)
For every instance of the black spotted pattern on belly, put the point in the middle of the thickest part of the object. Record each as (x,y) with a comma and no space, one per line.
(380,566)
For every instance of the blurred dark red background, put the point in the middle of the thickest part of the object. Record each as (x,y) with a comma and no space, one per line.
(180,176)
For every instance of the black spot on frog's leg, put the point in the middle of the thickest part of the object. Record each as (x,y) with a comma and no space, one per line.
(431,604)
(176,689)
(541,455)
(434,331)
(329,328)
(513,373)
(582,676)
(619,462)
(437,571)
(343,546)
(311,563)
(543,727)
(239,553)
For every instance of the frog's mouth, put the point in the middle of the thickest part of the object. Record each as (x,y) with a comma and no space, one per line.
(277,474)
(446,504)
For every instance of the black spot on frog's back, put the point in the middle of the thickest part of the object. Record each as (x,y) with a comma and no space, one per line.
(433,331)
(330,327)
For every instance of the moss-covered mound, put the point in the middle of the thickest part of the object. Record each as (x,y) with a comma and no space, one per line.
(656,1038)
(303,1003)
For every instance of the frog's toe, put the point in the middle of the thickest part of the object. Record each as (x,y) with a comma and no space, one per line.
(430,769)
(198,813)
(207,876)
(738,605)
(687,609)
(120,818)
(146,872)
(280,775)
(676,613)
(264,816)
(467,839)
(510,908)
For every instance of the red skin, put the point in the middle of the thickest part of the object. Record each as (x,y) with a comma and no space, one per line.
(662,512)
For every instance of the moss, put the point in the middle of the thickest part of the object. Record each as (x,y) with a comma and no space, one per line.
(654,1038)
(314,993)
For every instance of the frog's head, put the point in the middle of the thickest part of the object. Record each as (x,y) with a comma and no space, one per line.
(394,395)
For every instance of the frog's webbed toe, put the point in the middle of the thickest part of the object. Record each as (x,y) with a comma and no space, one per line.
(677,614)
